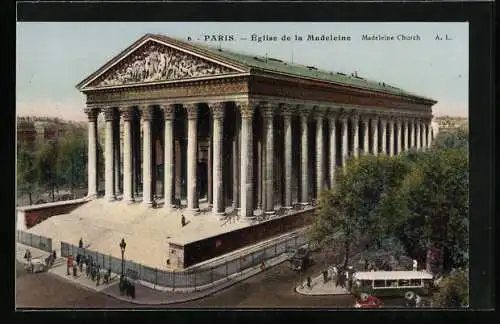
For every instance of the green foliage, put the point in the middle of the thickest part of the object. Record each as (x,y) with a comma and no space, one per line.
(419,199)
(452,138)
(434,201)
(26,174)
(54,164)
(453,290)
(350,213)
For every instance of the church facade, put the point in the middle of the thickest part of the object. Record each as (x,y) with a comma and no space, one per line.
(246,132)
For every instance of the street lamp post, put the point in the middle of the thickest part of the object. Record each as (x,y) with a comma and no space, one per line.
(122,248)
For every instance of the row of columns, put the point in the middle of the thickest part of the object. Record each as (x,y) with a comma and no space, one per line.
(418,135)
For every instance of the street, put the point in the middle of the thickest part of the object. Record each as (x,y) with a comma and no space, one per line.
(269,289)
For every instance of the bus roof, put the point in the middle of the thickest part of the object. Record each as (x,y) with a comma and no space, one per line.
(392,275)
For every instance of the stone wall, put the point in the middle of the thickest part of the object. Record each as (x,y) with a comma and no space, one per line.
(36,214)
(199,251)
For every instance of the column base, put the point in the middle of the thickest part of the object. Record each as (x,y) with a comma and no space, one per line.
(288,207)
(270,212)
(304,203)
(91,196)
(110,198)
(129,201)
(147,203)
(247,220)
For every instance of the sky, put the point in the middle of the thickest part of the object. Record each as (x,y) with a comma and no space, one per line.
(53,57)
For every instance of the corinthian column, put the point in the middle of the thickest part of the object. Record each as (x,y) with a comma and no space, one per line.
(218,192)
(236,162)
(412,133)
(147,183)
(345,143)
(320,158)
(92,114)
(333,149)
(117,151)
(267,110)
(192,158)
(364,122)
(246,180)
(390,122)
(287,112)
(398,135)
(418,134)
(127,116)
(429,134)
(355,132)
(407,135)
(374,132)
(383,125)
(108,157)
(304,156)
(168,151)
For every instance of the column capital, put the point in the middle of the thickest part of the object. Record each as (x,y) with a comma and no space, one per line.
(146,112)
(304,111)
(319,112)
(365,118)
(92,113)
(374,120)
(287,110)
(267,109)
(109,114)
(127,112)
(191,110)
(246,108)
(217,110)
(399,120)
(168,111)
(354,115)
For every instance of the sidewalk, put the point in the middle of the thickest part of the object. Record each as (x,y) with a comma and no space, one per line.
(318,287)
(145,295)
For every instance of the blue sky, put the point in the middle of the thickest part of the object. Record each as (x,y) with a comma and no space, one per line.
(53,57)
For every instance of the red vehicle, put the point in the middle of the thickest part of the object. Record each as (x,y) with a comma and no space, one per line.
(368,301)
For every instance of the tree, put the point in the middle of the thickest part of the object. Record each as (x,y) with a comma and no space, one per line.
(46,165)
(71,159)
(453,291)
(452,138)
(433,201)
(26,173)
(349,215)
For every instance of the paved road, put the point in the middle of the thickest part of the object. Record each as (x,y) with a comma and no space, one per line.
(271,288)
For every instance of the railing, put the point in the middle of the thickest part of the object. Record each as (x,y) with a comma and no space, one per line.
(33,240)
(195,278)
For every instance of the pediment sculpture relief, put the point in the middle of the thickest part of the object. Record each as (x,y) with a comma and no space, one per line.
(154,62)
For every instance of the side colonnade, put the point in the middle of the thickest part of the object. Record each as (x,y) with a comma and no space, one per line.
(259,155)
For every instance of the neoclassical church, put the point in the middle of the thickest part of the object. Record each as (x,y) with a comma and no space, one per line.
(243,131)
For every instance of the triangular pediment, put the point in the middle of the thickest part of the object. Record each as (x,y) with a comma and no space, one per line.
(153,61)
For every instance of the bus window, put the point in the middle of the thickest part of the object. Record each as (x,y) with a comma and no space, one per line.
(404,283)
(366,283)
(392,283)
(415,282)
(379,283)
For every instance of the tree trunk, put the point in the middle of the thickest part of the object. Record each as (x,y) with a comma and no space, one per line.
(346,249)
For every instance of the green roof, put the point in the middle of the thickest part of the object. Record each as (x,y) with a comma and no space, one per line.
(281,66)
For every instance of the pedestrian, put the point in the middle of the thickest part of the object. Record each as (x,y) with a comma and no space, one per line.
(75,268)
(309,282)
(325,276)
(27,255)
(98,275)
(69,264)
(80,243)
(183,220)
(87,268)
(92,272)
(81,263)
(54,255)
(415,265)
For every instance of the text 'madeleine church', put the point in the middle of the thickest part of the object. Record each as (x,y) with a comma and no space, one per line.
(246,132)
